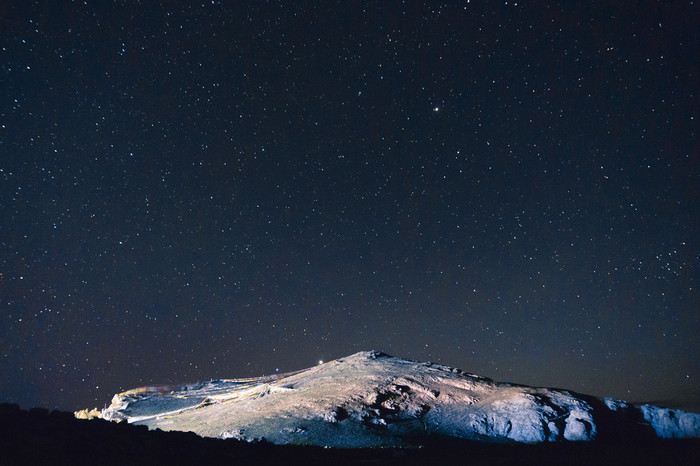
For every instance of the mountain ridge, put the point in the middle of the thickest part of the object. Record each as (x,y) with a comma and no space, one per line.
(371,399)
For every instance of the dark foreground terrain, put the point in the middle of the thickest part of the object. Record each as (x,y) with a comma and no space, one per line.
(42,437)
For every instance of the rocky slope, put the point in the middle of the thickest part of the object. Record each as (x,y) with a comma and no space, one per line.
(371,399)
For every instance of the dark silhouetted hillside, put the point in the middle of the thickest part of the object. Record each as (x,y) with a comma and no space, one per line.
(38,436)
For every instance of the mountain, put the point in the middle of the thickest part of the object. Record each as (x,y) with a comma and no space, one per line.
(371,399)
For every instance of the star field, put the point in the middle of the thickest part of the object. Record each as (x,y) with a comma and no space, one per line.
(217,190)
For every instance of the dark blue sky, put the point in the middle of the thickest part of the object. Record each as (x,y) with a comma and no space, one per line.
(216,190)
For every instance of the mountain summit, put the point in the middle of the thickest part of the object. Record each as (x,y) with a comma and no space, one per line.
(372,399)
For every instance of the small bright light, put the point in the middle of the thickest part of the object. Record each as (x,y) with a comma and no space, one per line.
(320,361)
(436,109)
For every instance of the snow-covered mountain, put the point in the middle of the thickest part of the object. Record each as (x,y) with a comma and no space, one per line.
(372,399)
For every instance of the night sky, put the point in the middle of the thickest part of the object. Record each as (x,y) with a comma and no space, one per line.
(220,190)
